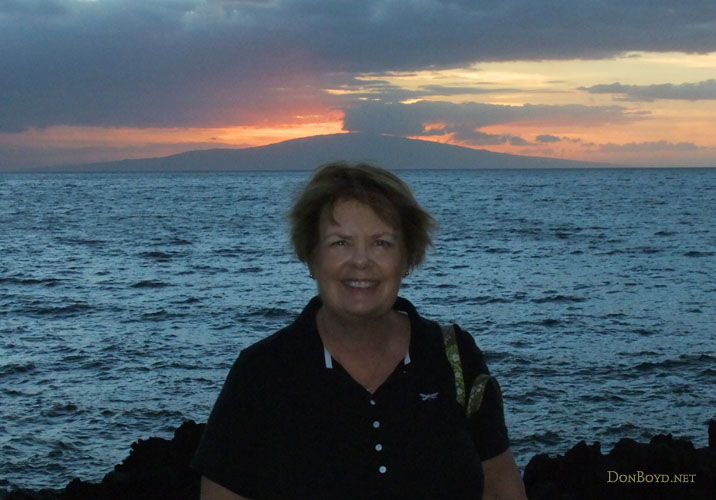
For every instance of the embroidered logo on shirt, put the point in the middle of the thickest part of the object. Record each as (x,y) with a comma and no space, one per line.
(429,397)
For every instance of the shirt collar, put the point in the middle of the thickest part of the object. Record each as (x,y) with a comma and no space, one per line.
(401,305)
(329,359)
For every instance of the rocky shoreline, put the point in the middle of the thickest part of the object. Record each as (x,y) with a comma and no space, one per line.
(666,467)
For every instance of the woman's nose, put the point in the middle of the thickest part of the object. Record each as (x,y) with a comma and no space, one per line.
(359,256)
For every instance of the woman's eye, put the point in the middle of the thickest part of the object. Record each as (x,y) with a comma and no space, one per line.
(383,243)
(339,243)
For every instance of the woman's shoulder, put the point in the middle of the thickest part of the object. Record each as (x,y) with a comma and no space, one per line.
(290,342)
(432,337)
(282,348)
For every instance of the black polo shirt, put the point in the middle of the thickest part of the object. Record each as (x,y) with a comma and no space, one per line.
(291,423)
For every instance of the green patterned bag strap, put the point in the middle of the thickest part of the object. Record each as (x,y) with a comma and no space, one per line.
(453,356)
(477,390)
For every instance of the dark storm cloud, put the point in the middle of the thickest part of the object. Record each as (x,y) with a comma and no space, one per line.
(683,91)
(154,64)
(464,119)
(213,62)
(405,34)
(547,138)
(466,134)
(388,93)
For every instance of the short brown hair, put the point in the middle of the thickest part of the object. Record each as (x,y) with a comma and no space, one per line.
(384,192)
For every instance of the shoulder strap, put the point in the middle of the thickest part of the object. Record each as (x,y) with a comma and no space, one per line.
(477,392)
(453,356)
(477,389)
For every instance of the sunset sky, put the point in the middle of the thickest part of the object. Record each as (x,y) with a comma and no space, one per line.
(629,82)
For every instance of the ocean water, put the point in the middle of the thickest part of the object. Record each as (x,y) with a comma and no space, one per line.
(124,299)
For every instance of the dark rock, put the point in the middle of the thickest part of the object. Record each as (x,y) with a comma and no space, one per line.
(664,468)
(24,494)
(156,469)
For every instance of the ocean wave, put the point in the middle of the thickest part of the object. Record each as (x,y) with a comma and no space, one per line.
(491,356)
(559,299)
(153,414)
(633,251)
(544,438)
(210,270)
(525,231)
(549,322)
(498,250)
(157,255)
(684,360)
(644,331)
(68,310)
(49,282)
(17,368)
(80,241)
(161,315)
(94,365)
(150,284)
(74,358)
(487,299)
(189,300)
(184,366)
(61,410)
(251,269)
(60,449)
(694,253)
(602,398)
(267,312)
(229,252)
(628,429)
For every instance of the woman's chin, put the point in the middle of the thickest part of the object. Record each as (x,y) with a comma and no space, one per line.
(363,305)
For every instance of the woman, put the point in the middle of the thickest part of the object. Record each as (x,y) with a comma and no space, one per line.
(356,398)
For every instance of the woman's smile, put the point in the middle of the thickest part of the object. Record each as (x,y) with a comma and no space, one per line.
(361,283)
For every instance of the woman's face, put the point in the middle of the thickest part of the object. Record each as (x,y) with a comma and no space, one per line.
(359,261)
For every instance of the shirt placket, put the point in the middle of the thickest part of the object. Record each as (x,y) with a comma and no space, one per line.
(381,466)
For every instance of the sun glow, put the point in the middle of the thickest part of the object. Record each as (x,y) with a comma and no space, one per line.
(66,144)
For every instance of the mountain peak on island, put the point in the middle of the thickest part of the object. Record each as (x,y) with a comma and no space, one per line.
(307,153)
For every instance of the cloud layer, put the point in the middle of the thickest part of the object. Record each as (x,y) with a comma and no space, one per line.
(685,91)
(647,147)
(220,62)
(462,121)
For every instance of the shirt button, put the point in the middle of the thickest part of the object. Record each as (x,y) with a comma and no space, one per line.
(382,469)
(376,424)
(372,402)
(378,447)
